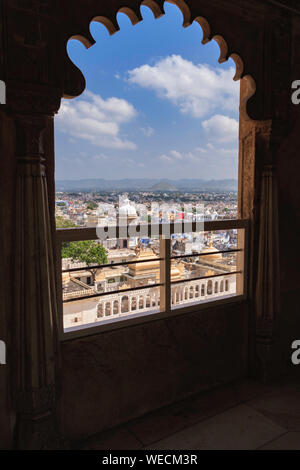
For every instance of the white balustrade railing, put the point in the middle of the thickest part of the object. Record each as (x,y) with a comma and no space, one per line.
(89,306)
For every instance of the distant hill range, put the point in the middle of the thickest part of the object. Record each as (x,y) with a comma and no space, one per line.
(141,184)
(163,186)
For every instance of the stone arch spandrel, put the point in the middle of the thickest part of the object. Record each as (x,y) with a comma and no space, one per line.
(214,24)
(38,33)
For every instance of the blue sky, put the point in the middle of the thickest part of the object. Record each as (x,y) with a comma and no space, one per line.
(157,104)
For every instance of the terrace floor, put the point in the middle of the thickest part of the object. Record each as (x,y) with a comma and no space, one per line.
(242,415)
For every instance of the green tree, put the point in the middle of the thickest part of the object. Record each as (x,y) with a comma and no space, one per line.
(90,205)
(61,222)
(88,251)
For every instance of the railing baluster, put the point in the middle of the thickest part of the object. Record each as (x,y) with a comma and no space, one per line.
(240,262)
(165,274)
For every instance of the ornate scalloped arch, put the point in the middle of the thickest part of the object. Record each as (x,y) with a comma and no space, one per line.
(133,11)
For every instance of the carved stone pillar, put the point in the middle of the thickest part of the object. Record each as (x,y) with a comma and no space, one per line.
(36,349)
(267,291)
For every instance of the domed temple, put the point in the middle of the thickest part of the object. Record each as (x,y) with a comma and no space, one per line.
(127,211)
(141,273)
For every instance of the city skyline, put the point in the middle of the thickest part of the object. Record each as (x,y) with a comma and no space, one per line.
(125,271)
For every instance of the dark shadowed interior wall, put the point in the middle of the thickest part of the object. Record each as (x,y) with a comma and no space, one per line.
(115,376)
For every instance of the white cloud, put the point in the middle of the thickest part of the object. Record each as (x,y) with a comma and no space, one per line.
(176,154)
(221,128)
(176,157)
(209,161)
(165,158)
(96,120)
(198,90)
(100,156)
(147,131)
(127,161)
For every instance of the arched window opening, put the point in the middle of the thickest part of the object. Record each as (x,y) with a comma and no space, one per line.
(116,307)
(209,287)
(113,136)
(125,304)
(133,303)
(100,311)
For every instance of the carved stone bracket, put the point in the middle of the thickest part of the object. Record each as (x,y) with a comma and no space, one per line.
(32,99)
